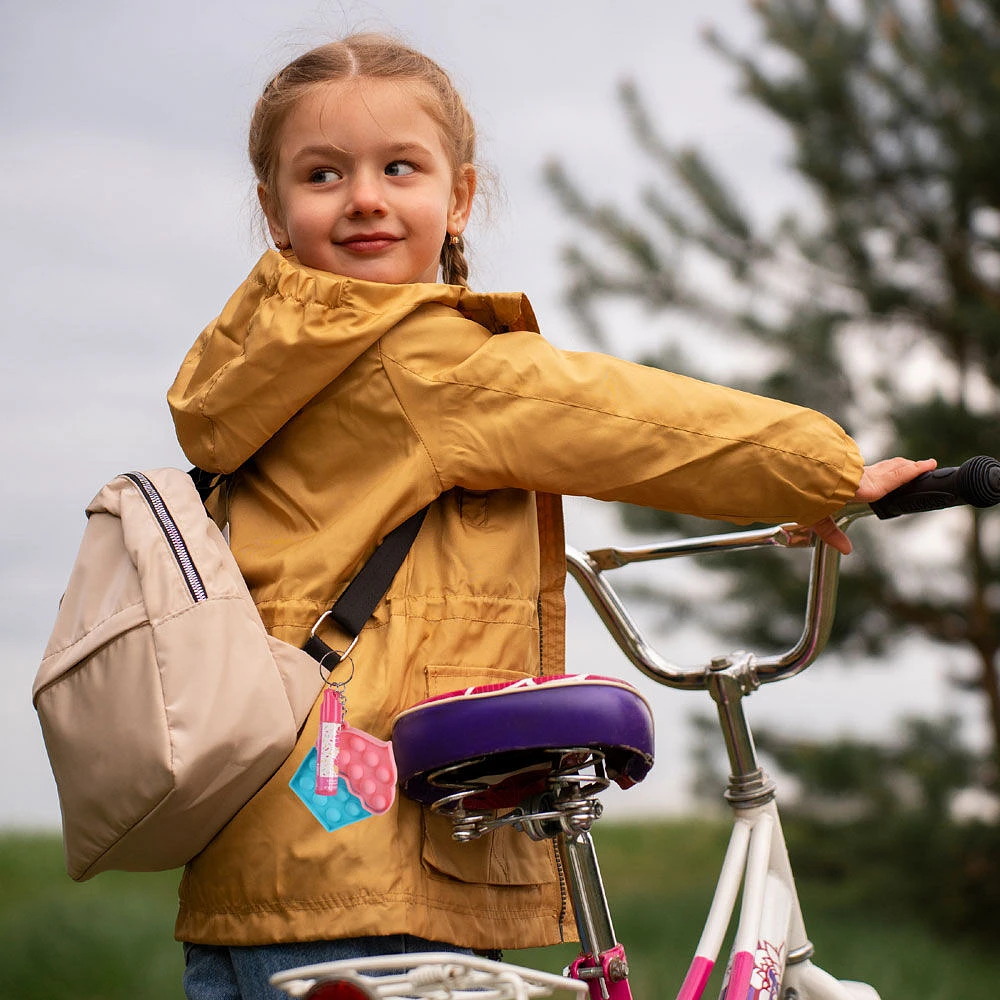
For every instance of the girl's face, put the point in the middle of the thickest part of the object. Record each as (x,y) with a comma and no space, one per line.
(364,186)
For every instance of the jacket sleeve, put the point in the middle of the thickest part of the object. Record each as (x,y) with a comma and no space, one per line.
(511,410)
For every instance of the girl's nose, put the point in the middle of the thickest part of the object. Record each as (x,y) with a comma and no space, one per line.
(366,197)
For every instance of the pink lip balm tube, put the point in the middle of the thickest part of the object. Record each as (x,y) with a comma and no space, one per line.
(327,750)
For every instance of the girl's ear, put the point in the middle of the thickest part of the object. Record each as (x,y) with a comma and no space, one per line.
(274,223)
(461,198)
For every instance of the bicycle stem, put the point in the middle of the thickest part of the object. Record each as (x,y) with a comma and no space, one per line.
(749,785)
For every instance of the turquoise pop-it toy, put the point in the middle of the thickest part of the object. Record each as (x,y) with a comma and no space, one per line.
(333,811)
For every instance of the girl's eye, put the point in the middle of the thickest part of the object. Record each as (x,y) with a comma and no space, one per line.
(324,175)
(399,168)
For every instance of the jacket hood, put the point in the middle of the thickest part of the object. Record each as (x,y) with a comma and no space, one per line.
(286,334)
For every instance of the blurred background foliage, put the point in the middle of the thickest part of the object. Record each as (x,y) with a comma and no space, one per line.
(874,298)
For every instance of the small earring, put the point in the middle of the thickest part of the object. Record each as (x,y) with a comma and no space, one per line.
(454,240)
(281,247)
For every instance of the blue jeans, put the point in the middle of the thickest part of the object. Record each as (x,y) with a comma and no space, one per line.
(219,972)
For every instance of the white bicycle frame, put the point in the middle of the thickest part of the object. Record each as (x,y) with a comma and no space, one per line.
(771,954)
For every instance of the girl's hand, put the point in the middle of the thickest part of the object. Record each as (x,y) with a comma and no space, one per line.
(876,480)
(883,477)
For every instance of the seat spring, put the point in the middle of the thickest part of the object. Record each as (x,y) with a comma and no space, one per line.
(569,804)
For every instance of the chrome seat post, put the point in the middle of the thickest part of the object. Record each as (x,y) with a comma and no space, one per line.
(590,902)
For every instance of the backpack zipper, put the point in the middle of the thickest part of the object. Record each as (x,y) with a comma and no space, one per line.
(172,534)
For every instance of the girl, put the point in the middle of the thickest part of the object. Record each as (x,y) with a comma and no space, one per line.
(352,379)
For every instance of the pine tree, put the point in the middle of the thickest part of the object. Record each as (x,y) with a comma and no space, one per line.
(877,303)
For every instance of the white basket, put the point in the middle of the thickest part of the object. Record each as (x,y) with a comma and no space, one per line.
(431,975)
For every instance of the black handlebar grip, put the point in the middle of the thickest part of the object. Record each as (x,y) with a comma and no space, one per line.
(975,482)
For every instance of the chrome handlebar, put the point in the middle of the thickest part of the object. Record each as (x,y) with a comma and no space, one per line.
(588,569)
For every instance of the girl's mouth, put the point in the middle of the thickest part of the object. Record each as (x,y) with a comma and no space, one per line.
(368,242)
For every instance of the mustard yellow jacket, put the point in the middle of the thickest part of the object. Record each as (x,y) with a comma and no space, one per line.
(346,406)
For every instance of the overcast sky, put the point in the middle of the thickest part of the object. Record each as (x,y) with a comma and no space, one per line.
(127,206)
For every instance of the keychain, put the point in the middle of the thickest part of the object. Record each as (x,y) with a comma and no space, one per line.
(365,764)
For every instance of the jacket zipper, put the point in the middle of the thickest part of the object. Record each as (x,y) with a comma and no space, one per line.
(563,902)
(541,637)
(172,534)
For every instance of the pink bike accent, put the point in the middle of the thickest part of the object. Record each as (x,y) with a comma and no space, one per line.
(696,979)
(738,986)
(617,989)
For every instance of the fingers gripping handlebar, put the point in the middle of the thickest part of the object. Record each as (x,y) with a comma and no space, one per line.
(975,483)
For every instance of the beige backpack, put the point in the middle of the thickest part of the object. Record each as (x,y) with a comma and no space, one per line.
(164,703)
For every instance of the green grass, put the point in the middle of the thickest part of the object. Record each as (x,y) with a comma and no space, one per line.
(108,939)
(112,938)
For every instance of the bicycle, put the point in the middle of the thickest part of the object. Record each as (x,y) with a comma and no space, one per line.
(536,754)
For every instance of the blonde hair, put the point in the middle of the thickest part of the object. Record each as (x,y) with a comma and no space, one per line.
(375,57)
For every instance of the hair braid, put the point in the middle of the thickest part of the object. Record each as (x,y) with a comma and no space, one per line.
(454,266)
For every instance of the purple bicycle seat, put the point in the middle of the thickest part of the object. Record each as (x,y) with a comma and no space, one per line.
(504,739)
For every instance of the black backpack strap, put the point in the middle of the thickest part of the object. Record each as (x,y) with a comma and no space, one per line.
(205,482)
(360,598)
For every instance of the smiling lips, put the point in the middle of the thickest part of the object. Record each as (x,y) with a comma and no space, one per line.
(368,242)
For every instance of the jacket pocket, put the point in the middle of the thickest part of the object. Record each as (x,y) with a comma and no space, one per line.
(503,857)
